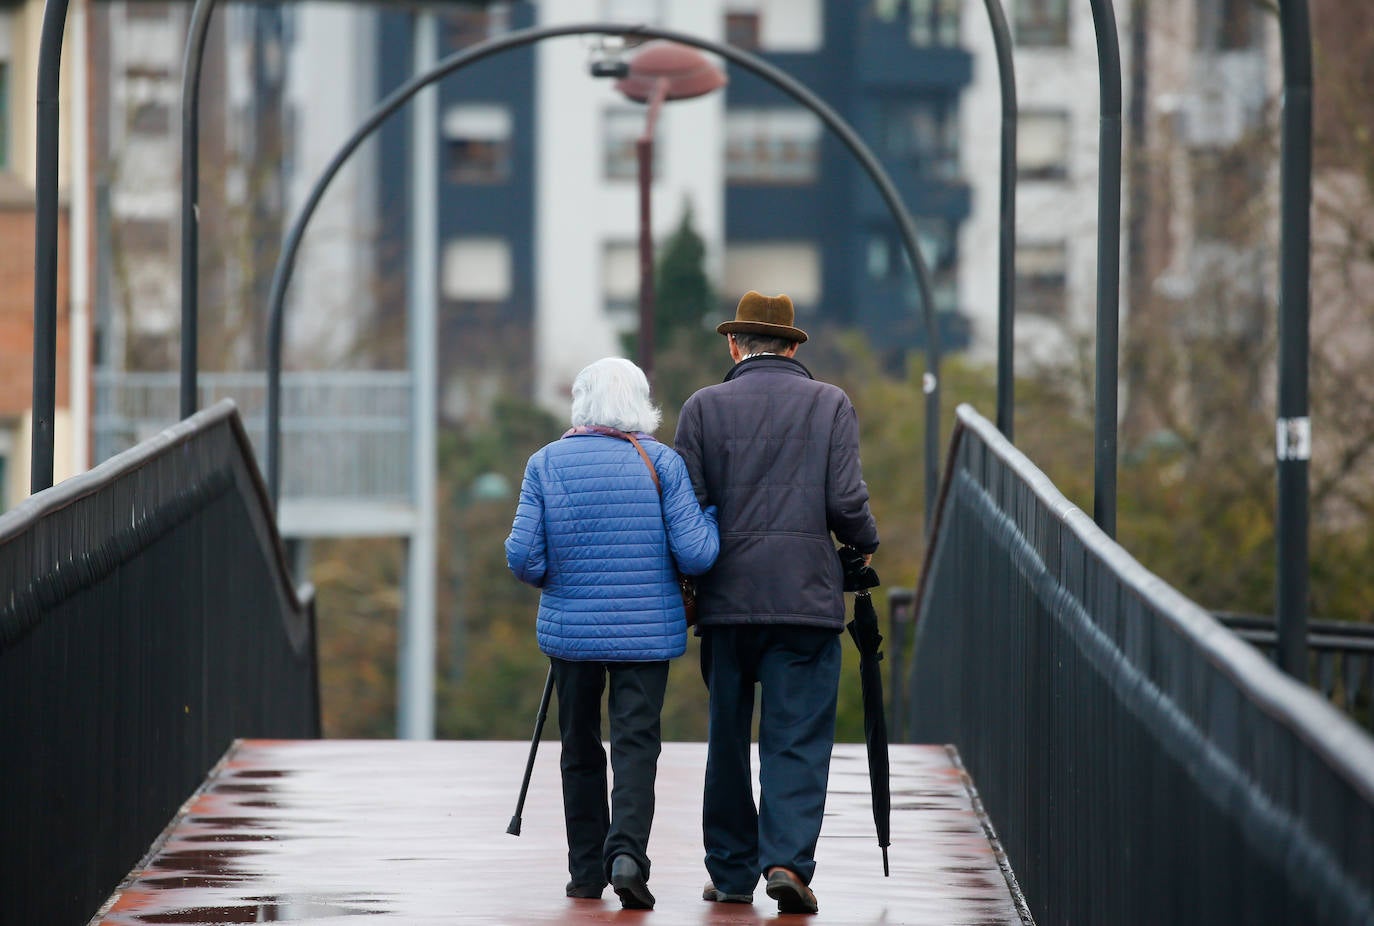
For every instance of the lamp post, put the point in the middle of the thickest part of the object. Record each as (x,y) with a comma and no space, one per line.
(661,71)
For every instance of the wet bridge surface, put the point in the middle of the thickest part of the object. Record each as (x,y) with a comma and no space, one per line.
(343,832)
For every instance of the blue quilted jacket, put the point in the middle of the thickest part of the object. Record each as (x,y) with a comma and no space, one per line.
(590,532)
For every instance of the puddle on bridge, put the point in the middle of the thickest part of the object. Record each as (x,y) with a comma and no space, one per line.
(414,832)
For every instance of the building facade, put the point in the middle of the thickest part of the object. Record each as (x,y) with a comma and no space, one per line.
(20,27)
(538,203)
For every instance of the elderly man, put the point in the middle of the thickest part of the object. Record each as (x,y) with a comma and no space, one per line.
(778,453)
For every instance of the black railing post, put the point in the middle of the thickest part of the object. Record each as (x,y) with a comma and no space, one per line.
(900,614)
(1108,266)
(45,246)
(1006,241)
(906,226)
(190,202)
(1293,427)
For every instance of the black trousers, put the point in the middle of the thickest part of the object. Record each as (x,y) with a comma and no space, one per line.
(598,833)
(797,670)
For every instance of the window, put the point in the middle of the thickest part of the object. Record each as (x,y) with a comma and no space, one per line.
(151,118)
(476,269)
(929,22)
(779,145)
(1225,184)
(4,114)
(620,283)
(141,236)
(792,267)
(1043,23)
(622,127)
(477,143)
(774,25)
(923,134)
(1042,145)
(1226,25)
(1041,278)
(742,29)
(469,25)
(938,240)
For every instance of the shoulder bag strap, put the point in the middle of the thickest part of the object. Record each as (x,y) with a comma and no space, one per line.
(647,462)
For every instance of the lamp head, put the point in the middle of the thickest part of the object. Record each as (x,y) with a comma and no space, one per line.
(688,73)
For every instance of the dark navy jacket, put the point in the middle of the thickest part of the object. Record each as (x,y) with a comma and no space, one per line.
(590,532)
(778,454)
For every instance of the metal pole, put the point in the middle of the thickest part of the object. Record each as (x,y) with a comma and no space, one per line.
(45,247)
(1294,427)
(1108,265)
(79,251)
(644,152)
(1006,241)
(190,201)
(415,718)
(281,277)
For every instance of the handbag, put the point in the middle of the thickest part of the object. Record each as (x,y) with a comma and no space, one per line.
(687,585)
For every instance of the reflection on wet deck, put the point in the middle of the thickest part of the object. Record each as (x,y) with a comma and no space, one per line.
(415,832)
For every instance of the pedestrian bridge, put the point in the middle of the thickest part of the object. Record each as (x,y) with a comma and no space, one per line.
(1138,762)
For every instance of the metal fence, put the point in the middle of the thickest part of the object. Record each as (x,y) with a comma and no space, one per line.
(146,620)
(345,435)
(1141,763)
(1340,656)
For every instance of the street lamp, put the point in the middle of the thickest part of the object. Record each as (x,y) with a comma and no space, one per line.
(661,71)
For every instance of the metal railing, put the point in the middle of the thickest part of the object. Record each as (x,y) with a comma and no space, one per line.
(1340,658)
(1141,762)
(147,620)
(346,434)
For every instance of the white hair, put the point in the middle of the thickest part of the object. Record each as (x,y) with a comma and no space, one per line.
(614,393)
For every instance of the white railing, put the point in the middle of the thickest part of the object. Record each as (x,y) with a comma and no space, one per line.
(345,436)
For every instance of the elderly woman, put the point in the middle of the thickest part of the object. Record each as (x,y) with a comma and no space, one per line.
(607,518)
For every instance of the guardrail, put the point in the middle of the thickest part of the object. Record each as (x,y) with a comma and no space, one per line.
(147,620)
(1340,655)
(1141,762)
(345,434)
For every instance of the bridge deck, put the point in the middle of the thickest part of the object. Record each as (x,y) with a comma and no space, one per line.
(414,832)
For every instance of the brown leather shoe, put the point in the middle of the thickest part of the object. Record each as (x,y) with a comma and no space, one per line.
(791,894)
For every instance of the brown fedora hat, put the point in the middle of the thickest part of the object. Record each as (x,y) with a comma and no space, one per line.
(760,314)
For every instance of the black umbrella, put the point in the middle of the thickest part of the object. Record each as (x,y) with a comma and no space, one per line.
(859,578)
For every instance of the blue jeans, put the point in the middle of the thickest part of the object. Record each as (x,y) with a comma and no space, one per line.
(797,670)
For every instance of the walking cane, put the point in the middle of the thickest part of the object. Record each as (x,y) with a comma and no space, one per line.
(514,828)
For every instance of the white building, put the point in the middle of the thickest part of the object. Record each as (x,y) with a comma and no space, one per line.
(1055,52)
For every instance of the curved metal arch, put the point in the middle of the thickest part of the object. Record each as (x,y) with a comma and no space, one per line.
(1006,241)
(285,264)
(45,247)
(1107,373)
(190,202)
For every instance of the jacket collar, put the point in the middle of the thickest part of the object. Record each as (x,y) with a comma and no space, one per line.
(605,432)
(771,362)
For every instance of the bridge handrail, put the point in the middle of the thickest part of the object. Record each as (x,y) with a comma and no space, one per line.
(1073,682)
(147,618)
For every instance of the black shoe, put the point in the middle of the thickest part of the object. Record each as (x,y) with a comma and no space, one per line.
(791,894)
(714,895)
(585,891)
(630,884)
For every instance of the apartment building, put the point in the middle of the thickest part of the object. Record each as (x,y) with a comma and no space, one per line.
(538,212)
